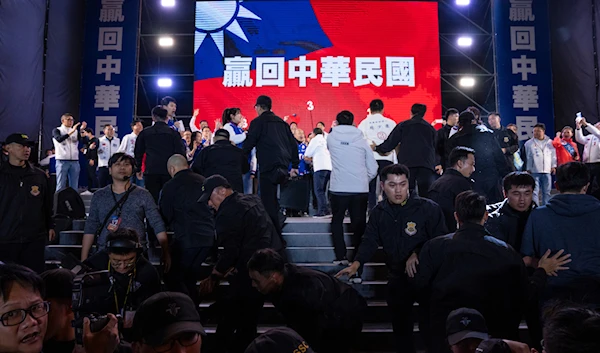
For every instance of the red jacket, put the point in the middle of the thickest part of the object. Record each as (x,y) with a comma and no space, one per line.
(562,154)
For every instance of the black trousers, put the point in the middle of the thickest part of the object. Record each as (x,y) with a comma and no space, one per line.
(423,177)
(269,182)
(103,177)
(155,183)
(356,204)
(29,254)
(373,184)
(489,186)
(92,177)
(185,270)
(401,299)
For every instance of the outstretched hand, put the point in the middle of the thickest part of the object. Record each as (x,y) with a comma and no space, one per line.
(555,263)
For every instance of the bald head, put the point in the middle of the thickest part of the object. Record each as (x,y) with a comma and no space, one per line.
(176,163)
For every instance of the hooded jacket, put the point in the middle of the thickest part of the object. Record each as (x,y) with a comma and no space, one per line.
(569,222)
(352,159)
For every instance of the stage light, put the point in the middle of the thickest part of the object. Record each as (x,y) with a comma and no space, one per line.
(464,41)
(165,41)
(164,82)
(167,3)
(459,2)
(467,82)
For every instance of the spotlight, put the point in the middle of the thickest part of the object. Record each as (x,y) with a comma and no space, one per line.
(464,41)
(467,82)
(164,82)
(165,41)
(458,2)
(167,3)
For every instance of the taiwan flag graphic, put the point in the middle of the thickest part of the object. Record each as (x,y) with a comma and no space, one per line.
(315,58)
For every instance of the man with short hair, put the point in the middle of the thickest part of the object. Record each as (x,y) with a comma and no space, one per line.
(539,158)
(401,224)
(442,136)
(66,140)
(223,158)
(276,148)
(25,206)
(570,221)
(128,147)
(167,322)
(108,146)
(465,330)
(158,142)
(455,180)
(506,138)
(507,218)
(376,129)
(353,168)
(572,329)
(326,312)
(170,105)
(416,138)
(91,154)
(60,335)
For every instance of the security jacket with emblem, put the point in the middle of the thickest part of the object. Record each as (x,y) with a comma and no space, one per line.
(25,204)
(506,223)
(508,140)
(401,230)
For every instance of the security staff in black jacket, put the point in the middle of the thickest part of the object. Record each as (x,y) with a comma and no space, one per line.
(324,311)
(442,136)
(192,222)
(455,180)
(491,165)
(507,139)
(276,148)
(401,224)
(416,138)
(222,158)
(25,207)
(243,227)
(471,268)
(158,142)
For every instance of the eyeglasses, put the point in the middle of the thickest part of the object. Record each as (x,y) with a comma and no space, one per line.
(16,317)
(184,340)
(124,263)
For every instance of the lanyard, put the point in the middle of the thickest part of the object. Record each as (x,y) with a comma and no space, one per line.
(119,206)
(126,293)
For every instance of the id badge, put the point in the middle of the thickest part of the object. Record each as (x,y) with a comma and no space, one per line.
(113,223)
(128,319)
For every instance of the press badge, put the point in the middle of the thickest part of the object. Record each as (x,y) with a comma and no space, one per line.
(128,321)
(113,223)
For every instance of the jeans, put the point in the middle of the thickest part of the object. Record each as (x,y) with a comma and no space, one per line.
(104,177)
(321,179)
(373,184)
(356,204)
(67,169)
(423,177)
(248,183)
(543,183)
(137,182)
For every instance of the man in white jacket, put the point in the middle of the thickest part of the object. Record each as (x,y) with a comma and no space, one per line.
(353,168)
(66,139)
(321,161)
(539,157)
(128,147)
(109,145)
(376,129)
(591,149)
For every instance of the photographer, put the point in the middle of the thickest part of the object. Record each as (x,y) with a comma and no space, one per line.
(133,278)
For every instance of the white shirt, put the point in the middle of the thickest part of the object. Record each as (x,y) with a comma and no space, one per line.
(233,137)
(376,128)
(106,150)
(317,150)
(128,144)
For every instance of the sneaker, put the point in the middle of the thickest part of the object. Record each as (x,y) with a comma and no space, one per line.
(342,262)
(355,279)
(87,192)
(320,216)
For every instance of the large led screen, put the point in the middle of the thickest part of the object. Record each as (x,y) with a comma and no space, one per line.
(315,58)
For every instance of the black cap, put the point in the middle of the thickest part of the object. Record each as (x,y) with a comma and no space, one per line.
(279,340)
(222,133)
(465,323)
(164,316)
(21,139)
(264,100)
(58,283)
(210,184)
(493,346)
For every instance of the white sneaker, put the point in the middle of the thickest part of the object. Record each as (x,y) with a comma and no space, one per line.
(343,262)
(355,279)
(87,192)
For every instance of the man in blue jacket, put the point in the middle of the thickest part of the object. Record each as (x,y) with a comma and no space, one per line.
(569,221)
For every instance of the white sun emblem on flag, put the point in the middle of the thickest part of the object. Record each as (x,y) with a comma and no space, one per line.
(214,17)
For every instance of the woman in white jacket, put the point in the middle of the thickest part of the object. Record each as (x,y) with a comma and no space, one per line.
(232,122)
(591,149)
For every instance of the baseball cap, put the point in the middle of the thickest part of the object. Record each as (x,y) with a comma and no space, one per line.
(222,133)
(279,340)
(210,184)
(493,346)
(58,283)
(21,139)
(465,323)
(264,100)
(164,316)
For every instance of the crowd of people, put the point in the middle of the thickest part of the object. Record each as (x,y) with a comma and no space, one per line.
(463,215)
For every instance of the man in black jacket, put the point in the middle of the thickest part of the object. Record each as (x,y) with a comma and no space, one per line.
(442,136)
(243,227)
(192,222)
(401,224)
(507,219)
(491,164)
(276,148)
(455,180)
(507,139)
(222,158)
(324,311)
(416,138)
(158,142)
(471,268)
(25,207)
(91,154)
